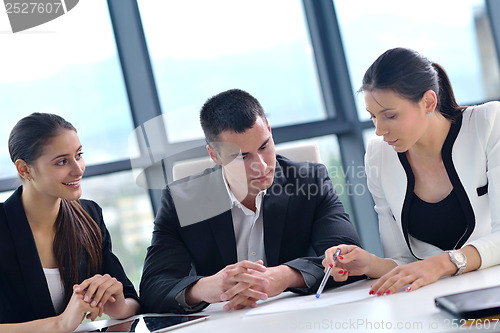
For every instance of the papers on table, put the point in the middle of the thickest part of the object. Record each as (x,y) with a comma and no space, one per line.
(342,295)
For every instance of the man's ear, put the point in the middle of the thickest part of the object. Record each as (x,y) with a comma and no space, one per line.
(23,169)
(214,155)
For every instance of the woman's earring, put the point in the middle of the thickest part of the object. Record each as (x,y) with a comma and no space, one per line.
(29,178)
(429,114)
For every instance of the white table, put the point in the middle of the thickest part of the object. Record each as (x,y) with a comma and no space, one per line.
(400,312)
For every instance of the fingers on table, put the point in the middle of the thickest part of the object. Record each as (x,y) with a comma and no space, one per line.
(394,282)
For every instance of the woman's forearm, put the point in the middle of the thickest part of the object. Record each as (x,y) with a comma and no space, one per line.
(48,325)
(131,308)
(379,266)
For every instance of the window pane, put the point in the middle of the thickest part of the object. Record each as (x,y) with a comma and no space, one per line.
(200,48)
(69,67)
(5,195)
(330,156)
(368,134)
(128,215)
(458,39)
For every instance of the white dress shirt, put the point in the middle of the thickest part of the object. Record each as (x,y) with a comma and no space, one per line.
(248,233)
(248,227)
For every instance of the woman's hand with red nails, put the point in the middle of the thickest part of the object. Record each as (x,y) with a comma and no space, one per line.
(414,275)
(355,261)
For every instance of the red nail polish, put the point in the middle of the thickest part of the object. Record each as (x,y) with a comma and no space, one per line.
(371,292)
(348,273)
(340,257)
(331,265)
(379,293)
(408,289)
(341,272)
(388,292)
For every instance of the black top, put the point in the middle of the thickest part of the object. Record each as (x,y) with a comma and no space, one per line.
(458,188)
(441,224)
(24,294)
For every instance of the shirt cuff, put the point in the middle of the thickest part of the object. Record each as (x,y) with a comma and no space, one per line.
(180,298)
(309,279)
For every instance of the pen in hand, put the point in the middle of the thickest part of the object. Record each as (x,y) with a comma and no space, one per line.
(327,274)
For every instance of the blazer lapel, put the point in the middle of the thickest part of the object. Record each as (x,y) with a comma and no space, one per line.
(223,233)
(27,258)
(222,224)
(275,207)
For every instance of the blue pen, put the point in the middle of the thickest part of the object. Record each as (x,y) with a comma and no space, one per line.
(327,274)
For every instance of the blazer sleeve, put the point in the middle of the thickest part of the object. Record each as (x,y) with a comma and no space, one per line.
(331,226)
(390,235)
(167,266)
(489,246)
(110,263)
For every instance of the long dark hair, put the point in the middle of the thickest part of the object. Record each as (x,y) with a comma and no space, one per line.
(410,74)
(76,232)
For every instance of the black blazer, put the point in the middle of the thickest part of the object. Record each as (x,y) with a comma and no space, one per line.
(302,217)
(24,294)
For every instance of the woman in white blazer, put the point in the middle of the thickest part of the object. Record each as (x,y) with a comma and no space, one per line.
(432,171)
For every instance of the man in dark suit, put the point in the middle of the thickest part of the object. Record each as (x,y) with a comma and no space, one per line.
(250,228)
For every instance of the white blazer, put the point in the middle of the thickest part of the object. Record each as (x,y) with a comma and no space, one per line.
(471,155)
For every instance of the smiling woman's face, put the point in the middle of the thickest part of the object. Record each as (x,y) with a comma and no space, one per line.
(58,171)
(399,121)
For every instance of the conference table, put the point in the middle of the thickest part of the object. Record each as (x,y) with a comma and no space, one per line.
(348,309)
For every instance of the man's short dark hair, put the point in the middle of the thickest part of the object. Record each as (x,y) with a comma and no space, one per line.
(234,110)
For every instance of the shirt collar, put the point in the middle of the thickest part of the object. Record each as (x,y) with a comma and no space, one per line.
(235,202)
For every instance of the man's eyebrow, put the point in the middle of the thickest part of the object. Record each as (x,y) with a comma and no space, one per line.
(64,155)
(246,153)
(237,154)
(265,142)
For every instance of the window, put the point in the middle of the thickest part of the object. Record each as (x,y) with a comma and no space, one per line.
(455,34)
(5,195)
(200,48)
(68,67)
(330,156)
(368,134)
(129,218)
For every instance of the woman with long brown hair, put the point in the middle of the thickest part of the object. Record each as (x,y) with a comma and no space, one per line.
(56,264)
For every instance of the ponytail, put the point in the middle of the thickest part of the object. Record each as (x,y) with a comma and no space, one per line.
(447,104)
